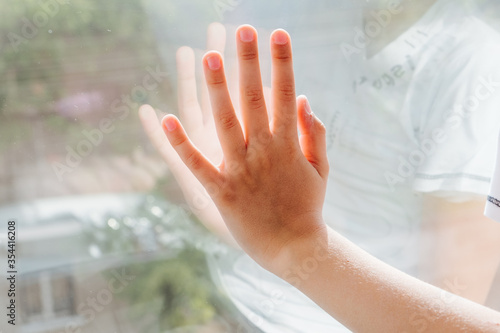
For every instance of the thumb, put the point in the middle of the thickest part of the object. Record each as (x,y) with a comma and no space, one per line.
(312,137)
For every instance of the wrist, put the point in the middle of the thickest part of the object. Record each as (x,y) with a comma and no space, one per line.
(302,257)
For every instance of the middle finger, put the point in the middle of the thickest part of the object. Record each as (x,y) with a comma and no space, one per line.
(253,106)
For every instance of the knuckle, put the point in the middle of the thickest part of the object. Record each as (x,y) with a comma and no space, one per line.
(216,80)
(287,91)
(252,154)
(193,161)
(234,169)
(249,55)
(264,137)
(178,140)
(249,180)
(254,96)
(228,120)
(228,195)
(283,56)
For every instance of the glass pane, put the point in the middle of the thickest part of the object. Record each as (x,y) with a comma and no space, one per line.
(110,238)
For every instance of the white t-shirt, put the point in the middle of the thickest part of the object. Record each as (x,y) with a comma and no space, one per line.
(423,117)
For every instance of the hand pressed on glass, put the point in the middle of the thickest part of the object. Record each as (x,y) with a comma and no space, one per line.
(269,181)
(270,189)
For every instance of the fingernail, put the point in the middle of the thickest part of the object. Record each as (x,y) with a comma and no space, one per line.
(246,35)
(170,124)
(213,62)
(280,37)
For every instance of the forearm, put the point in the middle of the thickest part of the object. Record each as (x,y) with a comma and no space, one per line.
(367,295)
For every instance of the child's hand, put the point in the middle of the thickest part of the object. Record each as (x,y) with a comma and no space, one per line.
(270,186)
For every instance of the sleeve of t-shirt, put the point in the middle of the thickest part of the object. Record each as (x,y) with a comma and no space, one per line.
(492,209)
(458,127)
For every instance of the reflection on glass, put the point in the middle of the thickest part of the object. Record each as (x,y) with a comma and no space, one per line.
(107,242)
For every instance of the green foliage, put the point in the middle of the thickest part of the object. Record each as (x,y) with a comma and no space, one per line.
(85,46)
(183,286)
(161,244)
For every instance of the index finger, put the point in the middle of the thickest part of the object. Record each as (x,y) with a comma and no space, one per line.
(226,123)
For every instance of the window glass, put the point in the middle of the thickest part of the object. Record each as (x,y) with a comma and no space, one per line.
(109,238)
